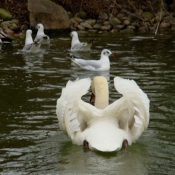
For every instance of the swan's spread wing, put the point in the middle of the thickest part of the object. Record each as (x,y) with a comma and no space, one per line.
(131,110)
(73,114)
(88,64)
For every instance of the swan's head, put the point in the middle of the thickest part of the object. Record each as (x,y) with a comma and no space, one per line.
(106,52)
(99,87)
(74,34)
(39,26)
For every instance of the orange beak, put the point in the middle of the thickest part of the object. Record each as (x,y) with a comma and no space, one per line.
(92,99)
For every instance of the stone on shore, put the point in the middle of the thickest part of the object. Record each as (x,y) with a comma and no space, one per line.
(51,15)
(147,15)
(103,16)
(115,21)
(90,21)
(5,15)
(106,28)
(86,25)
(82,15)
(97,26)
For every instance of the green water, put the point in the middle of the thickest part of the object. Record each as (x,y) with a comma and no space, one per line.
(30,139)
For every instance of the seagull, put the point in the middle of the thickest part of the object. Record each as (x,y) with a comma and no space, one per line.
(103,64)
(40,36)
(4,38)
(76,45)
(30,46)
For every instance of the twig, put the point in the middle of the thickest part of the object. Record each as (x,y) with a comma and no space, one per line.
(159,19)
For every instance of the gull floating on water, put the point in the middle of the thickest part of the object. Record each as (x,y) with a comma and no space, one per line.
(103,64)
(4,38)
(103,127)
(76,45)
(41,36)
(30,46)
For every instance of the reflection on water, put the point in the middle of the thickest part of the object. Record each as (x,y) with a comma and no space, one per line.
(30,139)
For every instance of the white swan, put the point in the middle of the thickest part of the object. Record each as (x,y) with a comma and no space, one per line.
(76,45)
(103,64)
(103,127)
(30,46)
(41,36)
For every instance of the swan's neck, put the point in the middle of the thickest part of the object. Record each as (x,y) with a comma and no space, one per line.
(101,92)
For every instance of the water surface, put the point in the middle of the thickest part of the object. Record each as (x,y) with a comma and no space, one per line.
(30,139)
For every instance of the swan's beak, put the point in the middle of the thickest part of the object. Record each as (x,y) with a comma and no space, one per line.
(92,99)
(70,34)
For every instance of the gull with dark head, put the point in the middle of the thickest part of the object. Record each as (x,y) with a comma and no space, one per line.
(77,46)
(30,46)
(41,36)
(103,64)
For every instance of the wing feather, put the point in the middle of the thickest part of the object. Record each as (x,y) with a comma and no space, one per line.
(68,105)
(131,110)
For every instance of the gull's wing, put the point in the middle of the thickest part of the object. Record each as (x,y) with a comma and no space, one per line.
(4,38)
(27,47)
(40,38)
(71,110)
(131,110)
(81,46)
(2,34)
(33,48)
(88,64)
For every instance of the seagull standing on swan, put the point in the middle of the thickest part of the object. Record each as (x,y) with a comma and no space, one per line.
(103,127)
(30,46)
(41,36)
(103,64)
(76,45)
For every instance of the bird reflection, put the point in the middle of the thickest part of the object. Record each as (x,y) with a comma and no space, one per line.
(118,163)
(89,74)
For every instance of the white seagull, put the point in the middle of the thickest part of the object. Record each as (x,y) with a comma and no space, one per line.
(4,38)
(76,45)
(30,46)
(103,127)
(41,36)
(103,64)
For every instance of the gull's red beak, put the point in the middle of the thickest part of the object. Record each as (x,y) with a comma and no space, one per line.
(113,54)
(92,99)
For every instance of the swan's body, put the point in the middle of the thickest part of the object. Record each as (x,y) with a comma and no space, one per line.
(104,127)
(30,46)
(77,46)
(41,36)
(103,64)
(4,38)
